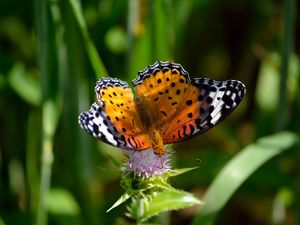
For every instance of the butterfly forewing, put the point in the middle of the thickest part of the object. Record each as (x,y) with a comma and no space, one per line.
(162,88)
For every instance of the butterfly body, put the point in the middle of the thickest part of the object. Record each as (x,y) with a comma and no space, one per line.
(168,108)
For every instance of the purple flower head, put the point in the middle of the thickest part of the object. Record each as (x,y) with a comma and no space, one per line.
(145,164)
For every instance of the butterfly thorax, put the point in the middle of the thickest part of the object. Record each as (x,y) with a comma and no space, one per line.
(156,141)
(144,117)
(151,127)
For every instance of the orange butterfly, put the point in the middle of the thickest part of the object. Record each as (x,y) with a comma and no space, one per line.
(168,108)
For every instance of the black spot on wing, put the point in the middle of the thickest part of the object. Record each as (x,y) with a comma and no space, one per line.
(189,102)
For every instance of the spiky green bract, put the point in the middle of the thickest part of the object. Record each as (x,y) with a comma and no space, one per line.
(153,195)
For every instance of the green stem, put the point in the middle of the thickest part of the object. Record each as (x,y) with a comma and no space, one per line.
(132,20)
(96,60)
(47,160)
(49,41)
(289,6)
(43,40)
(50,119)
(32,159)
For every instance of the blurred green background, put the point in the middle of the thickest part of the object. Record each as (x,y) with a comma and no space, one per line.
(52,53)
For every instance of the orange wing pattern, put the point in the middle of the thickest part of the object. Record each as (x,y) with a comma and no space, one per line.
(181,108)
(168,108)
(164,89)
(213,102)
(114,119)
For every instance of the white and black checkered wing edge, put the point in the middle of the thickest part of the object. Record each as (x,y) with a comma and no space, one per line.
(218,99)
(96,124)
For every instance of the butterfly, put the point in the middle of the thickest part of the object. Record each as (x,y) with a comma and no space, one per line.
(168,107)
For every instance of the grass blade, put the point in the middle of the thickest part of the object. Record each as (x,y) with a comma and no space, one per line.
(161,30)
(49,41)
(95,59)
(238,170)
(289,18)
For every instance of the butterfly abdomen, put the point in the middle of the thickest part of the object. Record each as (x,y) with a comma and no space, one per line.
(153,134)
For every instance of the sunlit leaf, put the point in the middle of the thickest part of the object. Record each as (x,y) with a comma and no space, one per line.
(181,171)
(60,201)
(116,40)
(284,199)
(267,95)
(121,200)
(2,222)
(166,200)
(26,85)
(241,167)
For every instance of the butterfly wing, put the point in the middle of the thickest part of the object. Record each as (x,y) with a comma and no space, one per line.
(181,108)
(162,88)
(114,119)
(213,101)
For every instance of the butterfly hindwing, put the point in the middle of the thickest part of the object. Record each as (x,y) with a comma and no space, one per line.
(95,123)
(213,102)
(218,98)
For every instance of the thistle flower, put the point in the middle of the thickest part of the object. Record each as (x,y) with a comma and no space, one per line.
(145,164)
(145,181)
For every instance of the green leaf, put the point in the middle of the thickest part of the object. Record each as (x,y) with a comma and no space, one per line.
(238,170)
(116,40)
(60,201)
(1,222)
(25,84)
(163,184)
(167,200)
(177,172)
(121,200)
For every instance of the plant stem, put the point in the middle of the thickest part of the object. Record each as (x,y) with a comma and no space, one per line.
(289,6)
(132,20)
(95,59)
(48,52)
(42,33)
(47,160)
